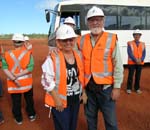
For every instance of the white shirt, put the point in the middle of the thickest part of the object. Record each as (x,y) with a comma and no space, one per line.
(47,79)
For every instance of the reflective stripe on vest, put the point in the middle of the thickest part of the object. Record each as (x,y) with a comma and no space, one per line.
(23,77)
(19,88)
(108,44)
(57,77)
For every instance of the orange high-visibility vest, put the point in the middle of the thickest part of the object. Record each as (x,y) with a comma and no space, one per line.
(0,57)
(18,61)
(137,51)
(98,59)
(61,78)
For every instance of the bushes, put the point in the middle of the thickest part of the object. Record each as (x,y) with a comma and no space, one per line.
(33,35)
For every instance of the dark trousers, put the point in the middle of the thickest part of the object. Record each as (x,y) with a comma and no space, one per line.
(16,102)
(1,116)
(67,119)
(137,69)
(99,99)
(1,88)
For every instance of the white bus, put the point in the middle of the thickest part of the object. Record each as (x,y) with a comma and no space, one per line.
(122,17)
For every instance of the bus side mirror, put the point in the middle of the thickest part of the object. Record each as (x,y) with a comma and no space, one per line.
(47,16)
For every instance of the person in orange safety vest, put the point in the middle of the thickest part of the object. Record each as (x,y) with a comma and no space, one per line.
(1,86)
(18,64)
(103,70)
(136,55)
(63,80)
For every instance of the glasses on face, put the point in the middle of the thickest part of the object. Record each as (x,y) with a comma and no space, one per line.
(97,19)
(67,40)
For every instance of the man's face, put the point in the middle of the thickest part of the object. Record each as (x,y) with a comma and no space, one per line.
(96,24)
(66,44)
(137,37)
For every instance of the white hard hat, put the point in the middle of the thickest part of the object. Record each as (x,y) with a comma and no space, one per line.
(18,37)
(94,11)
(69,20)
(65,32)
(137,31)
(26,38)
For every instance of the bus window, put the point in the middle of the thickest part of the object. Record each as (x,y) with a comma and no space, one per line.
(111,23)
(111,20)
(147,18)
(131,18)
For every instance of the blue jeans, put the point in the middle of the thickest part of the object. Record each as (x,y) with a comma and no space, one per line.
(100,101)
(67,119)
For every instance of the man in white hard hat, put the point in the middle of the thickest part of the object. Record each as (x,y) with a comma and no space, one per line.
(18,65)
(136,55)
(67,68)
(27,43)
(103,70)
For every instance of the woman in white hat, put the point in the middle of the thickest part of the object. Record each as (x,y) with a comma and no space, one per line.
(62,79)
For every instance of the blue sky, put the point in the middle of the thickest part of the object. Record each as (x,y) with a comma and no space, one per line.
(24,16)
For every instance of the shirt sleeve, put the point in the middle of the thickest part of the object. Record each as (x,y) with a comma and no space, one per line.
(118,67)
(31,64)
(143,55)
(4,64)
(47,78)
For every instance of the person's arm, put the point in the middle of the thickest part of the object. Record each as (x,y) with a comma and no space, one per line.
(6,71)
(118,67)
(48,75)
(48,82)
(9,75)
(143,53)
(118,73)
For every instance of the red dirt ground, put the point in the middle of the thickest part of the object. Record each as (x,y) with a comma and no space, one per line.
(132,110)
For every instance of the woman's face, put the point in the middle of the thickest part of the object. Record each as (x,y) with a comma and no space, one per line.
(66,44)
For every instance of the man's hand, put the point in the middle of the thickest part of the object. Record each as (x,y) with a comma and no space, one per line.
(138,61)
(84,97)
(17,83)
(53,50)
(59,104)
(115,93)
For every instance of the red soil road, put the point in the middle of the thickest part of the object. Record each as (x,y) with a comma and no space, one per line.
(133,111)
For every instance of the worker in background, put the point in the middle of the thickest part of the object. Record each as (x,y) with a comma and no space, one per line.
(136,55)
(62,79)
(18,65)
(70,21)
(1,89)
(51,42)
(103,70)
(1,55)
(27,44)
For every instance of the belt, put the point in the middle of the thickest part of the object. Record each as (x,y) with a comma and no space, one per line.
(95,88)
